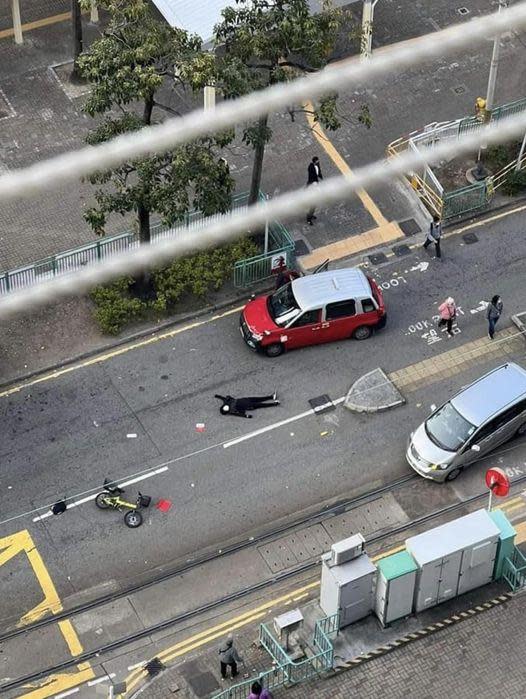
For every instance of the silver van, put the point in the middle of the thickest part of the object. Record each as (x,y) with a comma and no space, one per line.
(481,416)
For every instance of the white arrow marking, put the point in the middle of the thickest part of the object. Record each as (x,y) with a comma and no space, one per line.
(481,307)
(420,267)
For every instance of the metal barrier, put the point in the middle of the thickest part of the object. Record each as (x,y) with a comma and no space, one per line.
(258,268)
(91,253)
(286,671)
(514,570)
(465,199)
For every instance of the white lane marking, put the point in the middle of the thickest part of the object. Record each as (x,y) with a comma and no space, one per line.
(275,425)
(66,694)
(132,667)
(82,501)
(104,678)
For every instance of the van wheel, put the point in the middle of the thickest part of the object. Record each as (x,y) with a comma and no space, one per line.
(274,350)
(362,333)
(522,430)
(453,474)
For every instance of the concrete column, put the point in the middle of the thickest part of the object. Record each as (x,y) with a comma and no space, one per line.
(94,16)
(209,98)
(17,23)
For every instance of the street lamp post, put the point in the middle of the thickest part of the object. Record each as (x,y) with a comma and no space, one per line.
(366,46)
(480,172)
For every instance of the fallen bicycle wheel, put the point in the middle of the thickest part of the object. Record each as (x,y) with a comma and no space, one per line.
(133,519)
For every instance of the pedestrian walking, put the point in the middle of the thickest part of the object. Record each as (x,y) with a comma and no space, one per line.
(434,234)
(493,313)
(240,406)
(448,313)
(258,692)
(314,175)
(229,657)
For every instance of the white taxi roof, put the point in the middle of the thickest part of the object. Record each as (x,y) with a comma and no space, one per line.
(316,290)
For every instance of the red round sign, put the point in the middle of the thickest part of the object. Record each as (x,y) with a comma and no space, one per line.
(498,482)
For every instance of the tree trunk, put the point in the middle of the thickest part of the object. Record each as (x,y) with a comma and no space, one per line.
(76,19)
(144,224)
(257,168)
(147,112)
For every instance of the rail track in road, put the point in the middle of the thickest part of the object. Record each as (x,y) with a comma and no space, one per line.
(320,516)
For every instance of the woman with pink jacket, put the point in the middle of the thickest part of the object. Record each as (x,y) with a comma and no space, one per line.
(448,313)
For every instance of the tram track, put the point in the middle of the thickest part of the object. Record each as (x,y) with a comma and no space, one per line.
(226,599)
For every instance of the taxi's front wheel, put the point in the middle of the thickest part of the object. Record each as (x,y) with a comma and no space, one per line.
(274,350)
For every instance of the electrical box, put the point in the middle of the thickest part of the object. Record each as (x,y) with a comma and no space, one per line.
(506,541)
(454,558)
(347,588)
(395,587)
(347,549)
(287,623)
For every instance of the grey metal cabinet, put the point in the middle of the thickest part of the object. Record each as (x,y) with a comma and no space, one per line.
(347,588)
(456,557)
(395,585)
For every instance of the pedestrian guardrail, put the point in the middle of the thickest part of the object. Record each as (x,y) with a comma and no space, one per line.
(285,671)
(514,570)
(249,271)
(258,268)
(465,199)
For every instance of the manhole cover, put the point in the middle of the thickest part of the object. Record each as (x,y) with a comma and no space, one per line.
(378,258)
(322,404)
(470,238)
(401,250)
(409,227)
(300,246)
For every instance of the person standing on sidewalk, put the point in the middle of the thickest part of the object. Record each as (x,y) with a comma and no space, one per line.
(448,313)
(493,313)
(228,656)
(434,234)
(314,175)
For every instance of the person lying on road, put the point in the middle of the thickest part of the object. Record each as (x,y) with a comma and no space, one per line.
(240,406)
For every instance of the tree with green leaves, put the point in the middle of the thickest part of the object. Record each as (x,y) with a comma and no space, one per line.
(262,42)
(136,62)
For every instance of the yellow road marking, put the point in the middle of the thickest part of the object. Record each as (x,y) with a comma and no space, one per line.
(511,502)
(342,166)
(44,22)
(518,506)
(116,352)
(22,542)
(520,529)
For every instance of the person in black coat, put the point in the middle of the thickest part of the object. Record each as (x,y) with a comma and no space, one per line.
(240,406)
(314,175)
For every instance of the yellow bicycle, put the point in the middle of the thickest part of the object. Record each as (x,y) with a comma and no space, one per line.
(111,498)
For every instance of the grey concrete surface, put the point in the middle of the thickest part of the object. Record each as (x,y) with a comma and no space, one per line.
(372,393)
(64,436)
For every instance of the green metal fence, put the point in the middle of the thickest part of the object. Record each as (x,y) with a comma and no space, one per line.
(258,268)
(91,253)
(514,570)
(460,201)
(285,671)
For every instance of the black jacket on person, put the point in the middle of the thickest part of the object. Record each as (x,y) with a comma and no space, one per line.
(236,406)
(312,173)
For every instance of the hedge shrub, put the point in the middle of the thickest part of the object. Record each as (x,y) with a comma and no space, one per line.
(117,307)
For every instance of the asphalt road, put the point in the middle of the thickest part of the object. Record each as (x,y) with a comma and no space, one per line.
(64,436)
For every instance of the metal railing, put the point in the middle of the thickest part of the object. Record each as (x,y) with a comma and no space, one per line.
(258,268)
(465,199)
(285,670)
(91,253)
(514,570)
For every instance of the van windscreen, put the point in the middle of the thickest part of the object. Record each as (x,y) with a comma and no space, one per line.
(448,429)
(282,305)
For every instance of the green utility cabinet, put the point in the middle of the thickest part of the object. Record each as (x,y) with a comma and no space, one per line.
(506,541)
(395,587)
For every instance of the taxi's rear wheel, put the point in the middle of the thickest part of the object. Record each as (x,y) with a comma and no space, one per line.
(274,350)
(362,333)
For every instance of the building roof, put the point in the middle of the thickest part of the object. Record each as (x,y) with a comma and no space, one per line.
(315,290)
(491,393)
(200,16)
